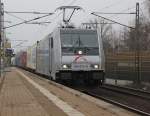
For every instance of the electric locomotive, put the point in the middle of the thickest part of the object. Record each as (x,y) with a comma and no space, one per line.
(72,54)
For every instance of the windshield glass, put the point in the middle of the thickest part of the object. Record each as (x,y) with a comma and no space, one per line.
(79,40)
(74,42)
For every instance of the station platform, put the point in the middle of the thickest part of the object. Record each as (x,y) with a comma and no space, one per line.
(25,94)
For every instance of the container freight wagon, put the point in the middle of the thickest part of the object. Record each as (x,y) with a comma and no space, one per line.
(17,59)
(31,58)
(21,59)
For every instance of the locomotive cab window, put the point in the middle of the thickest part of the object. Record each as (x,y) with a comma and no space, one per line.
(74,42)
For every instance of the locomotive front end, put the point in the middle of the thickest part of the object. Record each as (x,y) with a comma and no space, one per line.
(81,56)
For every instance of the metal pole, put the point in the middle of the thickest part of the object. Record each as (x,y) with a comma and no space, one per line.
(137,47)
(0,40)
(3,34)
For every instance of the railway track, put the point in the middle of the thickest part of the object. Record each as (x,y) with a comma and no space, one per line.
(138,101)
(118,104)
(129,91)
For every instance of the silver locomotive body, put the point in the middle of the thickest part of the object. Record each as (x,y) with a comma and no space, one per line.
(70,54)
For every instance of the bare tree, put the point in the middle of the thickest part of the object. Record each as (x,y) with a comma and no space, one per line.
(104,31)
(147,5)
(130,39)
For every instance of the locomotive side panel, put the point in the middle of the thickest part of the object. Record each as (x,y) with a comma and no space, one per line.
(56,54)
(42,61)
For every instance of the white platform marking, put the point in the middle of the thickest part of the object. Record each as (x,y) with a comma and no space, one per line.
(59,103)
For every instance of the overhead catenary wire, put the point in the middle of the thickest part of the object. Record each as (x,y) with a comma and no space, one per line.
(108,6)
(113,21)
(114,13)
(116,3)
(6,21)
(40,23)
(28,21)
(17,12)
(125,10)
(19,44)
(15,16)
(112,5)
(19,40)
(34,12)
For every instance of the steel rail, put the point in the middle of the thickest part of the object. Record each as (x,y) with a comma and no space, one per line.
(129,88)
(129,91)
(117,103)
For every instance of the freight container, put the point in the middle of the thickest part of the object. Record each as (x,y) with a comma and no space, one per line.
(31,57)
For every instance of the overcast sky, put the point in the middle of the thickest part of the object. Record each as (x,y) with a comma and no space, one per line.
(32,33)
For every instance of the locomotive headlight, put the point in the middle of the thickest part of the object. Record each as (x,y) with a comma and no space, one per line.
(96,66)
(65,66)
(80,52)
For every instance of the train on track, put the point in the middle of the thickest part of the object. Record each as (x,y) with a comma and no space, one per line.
(67,54)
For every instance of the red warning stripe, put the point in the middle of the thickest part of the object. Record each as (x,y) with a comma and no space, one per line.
(79,57)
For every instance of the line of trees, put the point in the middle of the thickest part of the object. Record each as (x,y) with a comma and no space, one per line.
(129,37)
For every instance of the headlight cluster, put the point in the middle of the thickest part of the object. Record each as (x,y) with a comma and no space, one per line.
(65,66)
(95,66)
(80,52)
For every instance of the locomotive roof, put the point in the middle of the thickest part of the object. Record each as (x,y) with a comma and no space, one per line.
(77,30)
